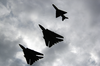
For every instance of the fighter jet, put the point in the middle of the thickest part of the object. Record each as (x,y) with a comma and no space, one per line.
(31,55)
(50,37)
(60,13)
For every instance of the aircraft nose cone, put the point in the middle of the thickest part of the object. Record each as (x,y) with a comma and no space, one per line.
(52,4)
(41,27)
(21,46)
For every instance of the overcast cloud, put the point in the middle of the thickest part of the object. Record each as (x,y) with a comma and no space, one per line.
(19,21)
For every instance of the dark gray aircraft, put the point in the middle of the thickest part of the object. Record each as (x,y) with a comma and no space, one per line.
(60,13)
(31,55)
(50,37)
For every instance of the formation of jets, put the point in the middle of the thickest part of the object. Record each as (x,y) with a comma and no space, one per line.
(50,39)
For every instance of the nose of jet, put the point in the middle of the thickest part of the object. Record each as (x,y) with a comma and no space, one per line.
(54,6)
(41,27)
(21,46)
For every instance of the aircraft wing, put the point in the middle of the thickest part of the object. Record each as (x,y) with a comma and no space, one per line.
(35,58)
(51,38)
(62,12)
(59,13)
(51,43)
(46,40)
(27,59)
(34,52)
(32,59)
(54,34)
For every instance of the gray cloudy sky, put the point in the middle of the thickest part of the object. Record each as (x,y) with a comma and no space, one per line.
(19,21)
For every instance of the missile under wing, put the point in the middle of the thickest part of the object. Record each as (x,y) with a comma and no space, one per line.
(31,55)
(60,13)
(50,37)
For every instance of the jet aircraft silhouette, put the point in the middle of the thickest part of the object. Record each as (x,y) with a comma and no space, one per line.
(50,37)
(60,13)
(31,55)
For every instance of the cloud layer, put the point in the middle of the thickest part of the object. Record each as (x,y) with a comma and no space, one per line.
(19,24)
